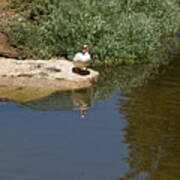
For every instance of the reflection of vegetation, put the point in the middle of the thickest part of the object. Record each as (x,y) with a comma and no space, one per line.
(117,30)
(153,127)
(123,78)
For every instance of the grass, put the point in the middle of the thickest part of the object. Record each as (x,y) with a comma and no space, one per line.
(116,31)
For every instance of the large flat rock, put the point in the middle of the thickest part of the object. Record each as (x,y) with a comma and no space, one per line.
(48,74)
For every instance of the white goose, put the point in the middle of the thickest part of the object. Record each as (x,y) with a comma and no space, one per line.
(82,60)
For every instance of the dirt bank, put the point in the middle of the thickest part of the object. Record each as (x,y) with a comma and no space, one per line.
(6,50)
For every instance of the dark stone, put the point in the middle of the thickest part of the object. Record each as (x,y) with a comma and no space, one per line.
(81,72)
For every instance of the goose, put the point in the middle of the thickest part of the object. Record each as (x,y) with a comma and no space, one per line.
(81,100)
(82,59)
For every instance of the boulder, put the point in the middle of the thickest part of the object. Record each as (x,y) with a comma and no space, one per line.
(48,74)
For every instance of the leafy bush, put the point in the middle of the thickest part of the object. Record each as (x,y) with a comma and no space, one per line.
(117,31)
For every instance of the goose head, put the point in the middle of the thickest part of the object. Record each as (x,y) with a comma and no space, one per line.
(85,49)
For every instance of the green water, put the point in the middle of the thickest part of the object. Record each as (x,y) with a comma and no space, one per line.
(130,131)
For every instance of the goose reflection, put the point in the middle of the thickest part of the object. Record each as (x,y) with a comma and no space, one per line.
(81,100)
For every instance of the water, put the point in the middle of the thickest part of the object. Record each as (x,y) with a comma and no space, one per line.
(128,132)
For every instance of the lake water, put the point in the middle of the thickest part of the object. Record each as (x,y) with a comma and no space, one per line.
(131,130)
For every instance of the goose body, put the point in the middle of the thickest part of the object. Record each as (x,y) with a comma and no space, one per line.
(82,60)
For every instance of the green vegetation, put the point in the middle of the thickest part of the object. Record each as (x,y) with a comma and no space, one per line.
(116,31)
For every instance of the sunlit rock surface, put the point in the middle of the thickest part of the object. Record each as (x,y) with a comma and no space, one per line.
(50,75)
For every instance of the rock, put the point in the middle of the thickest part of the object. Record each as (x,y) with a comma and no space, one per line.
(48,74)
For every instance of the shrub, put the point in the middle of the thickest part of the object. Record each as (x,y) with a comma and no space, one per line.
(116,31)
